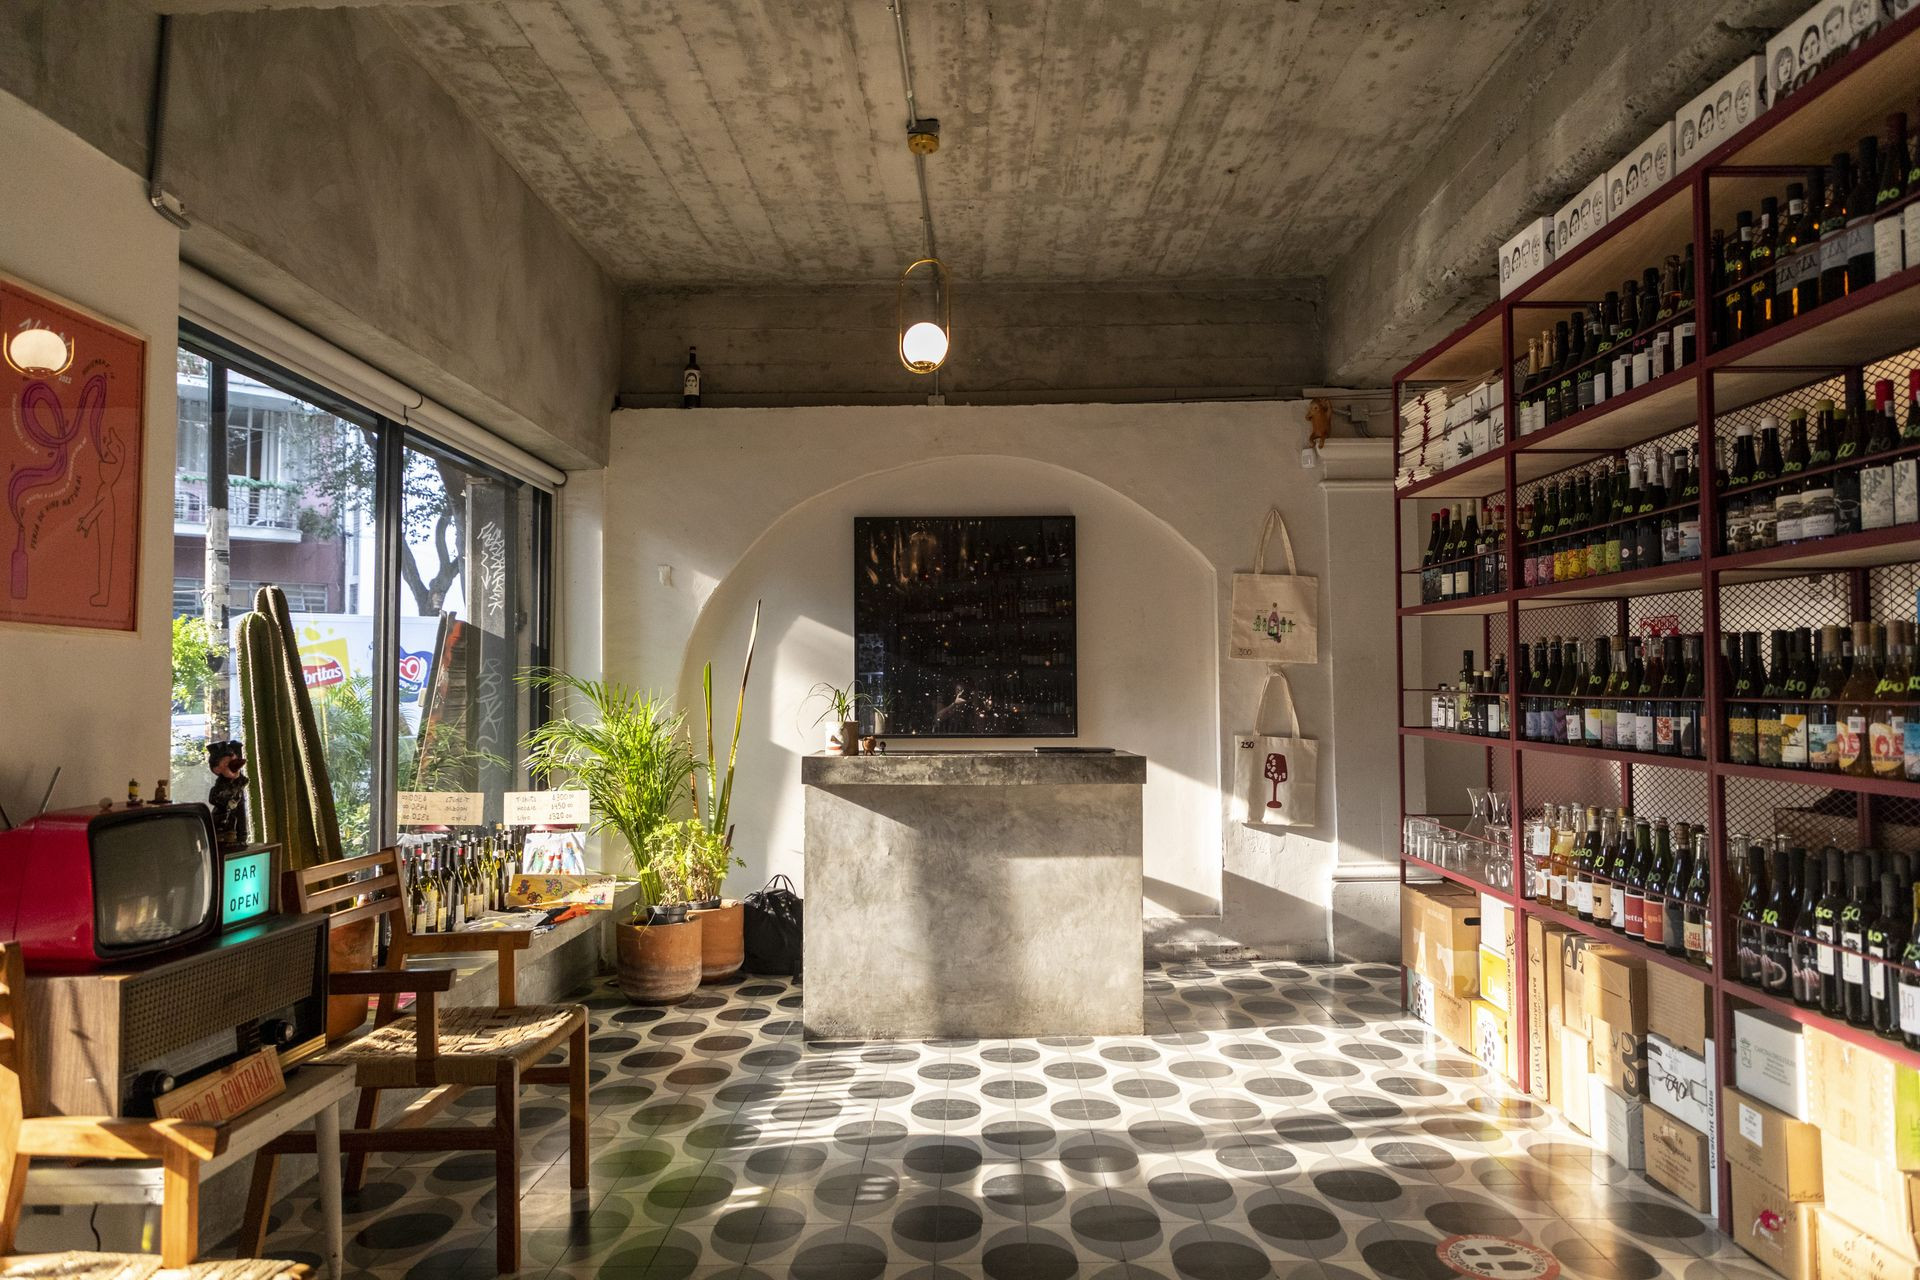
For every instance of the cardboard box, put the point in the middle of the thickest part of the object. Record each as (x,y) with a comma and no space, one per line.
(1873,1195)
(1496,979)
(1539,1028)
(1863,1099)
(1493,1038)
(1679,1009)
(1526,255)
(1440,937)
(1497,929)
(1678,1159)
(1618,1127)
(1641,171)
(1581,217)
(1572,1075)
(1447,1015)
(1778,1232)
(1733,103)
(1569,952)
(1804,46)
(1616,992)
(1772,1146)
(1681,1084)
(1848,1253)
(1769,1060)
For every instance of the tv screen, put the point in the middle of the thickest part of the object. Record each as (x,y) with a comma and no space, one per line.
(152,877)
(964,626)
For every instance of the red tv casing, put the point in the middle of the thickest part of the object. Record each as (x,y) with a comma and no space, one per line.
(47,896)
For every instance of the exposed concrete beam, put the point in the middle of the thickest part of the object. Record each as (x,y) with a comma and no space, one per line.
(1580,86)
(258,6)
(1013,344)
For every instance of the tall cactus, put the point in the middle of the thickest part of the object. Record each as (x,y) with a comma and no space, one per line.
(291,800)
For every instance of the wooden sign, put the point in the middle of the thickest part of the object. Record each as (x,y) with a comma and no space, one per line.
(74,387)
(441,808)
(224,1094)
(547,809)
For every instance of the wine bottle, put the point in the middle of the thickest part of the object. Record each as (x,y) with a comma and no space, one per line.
(1886,941)
(1793,713)
(1666,741)
(1826,933)
(1862,206)
(1697,926)
(1618,862)
(1759,286)
(1853,748)
(1833,228)
(1674,905)
(1741,660)
(690,382)
(1823,713)
(1646,718)
(1634,882)
(1596,711)
(1688,706)
(1887,718)
(1734,269)
(1846,479)
(1855,1005)
(1655,886)
(1792,284)
(1890,254)
(1586,890)
(1776,919)
(1749,937)
(1806,950)
(1910,975)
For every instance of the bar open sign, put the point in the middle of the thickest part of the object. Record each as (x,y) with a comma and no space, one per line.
(246,886)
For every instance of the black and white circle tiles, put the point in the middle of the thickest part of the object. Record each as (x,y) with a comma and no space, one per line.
(1277,1120)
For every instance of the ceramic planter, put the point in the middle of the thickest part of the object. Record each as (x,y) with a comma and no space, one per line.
(723,947)
(658,963)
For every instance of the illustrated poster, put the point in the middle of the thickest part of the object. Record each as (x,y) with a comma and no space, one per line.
(74,388)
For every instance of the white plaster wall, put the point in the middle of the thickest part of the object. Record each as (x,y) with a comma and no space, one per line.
(699,492)
(78,225)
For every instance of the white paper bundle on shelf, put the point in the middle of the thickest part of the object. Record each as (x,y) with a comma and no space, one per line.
(1640,172)
(1581,217)
(1732,104)
(1526,255)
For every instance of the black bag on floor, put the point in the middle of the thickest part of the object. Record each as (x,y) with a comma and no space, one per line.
(773,928)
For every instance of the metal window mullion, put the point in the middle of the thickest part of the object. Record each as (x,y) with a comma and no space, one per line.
(389,470)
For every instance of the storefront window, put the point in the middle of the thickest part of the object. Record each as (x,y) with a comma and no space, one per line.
(279,483)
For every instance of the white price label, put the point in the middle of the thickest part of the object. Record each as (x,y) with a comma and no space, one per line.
(441,808)
(1909,1008)
(546,809)
(1752,1126)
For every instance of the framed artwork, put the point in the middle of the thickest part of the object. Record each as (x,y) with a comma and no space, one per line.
(71,450)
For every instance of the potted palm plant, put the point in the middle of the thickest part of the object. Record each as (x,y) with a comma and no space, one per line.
(841,717)
(632,756)
(722,920)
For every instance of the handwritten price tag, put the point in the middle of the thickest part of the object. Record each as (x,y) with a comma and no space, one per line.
(441,808)
(546,808)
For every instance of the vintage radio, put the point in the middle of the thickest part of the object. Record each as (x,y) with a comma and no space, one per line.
(109,1043)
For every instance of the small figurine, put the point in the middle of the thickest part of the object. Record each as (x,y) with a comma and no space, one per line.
(228,795)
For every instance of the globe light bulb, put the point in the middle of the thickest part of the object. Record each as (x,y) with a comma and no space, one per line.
(924,346)
(42,351)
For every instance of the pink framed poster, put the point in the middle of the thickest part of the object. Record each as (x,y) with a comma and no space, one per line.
(71,447)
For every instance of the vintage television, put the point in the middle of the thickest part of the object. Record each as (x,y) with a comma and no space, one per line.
(82,889)
(964,626)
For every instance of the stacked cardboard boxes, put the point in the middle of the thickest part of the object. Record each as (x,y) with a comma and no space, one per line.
(1493,1021)
(1866,1111)
(1440,946)
(1615,982)
(1680,1121)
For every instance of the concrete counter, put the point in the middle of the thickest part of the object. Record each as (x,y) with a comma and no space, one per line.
(989,894)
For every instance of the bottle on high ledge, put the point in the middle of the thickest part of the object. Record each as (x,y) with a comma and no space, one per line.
(1863,203)
(1887,718)
(1776,919)
(1734,304)
(1833,227)
(1741,661)
(1854,751)
(1890,251)
(1793,711)
(1823,712)
(1759,288)
(690,382)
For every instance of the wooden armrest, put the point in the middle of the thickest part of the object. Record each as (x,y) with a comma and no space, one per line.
(383,982)
(445,943)
(102,1138)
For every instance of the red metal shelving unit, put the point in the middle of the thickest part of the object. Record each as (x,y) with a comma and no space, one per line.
(1834,345)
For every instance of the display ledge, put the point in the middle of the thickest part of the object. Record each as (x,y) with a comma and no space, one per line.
(1687,763)
(1868,324)
(1661,407)
(1457,608)
(1822,780)
(1459,877)
(1864,550)
(1653,955)
(1655,580)
(1449,735)
(1473,350)
(1474,478)
(1861,1036)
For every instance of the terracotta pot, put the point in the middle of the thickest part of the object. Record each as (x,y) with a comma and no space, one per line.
(349,948)
(658,963)
(723,944)
(850,738)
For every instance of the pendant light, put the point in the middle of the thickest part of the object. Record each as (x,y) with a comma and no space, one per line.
(923,344)
(38,352)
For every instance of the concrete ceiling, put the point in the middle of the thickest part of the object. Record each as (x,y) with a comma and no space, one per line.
(762,141)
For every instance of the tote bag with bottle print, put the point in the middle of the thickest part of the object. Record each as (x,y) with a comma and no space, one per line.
(1276,777)
(1276,616)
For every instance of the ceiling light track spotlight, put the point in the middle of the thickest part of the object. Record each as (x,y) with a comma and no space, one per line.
(923,343)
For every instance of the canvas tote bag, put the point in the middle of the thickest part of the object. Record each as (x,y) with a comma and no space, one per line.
(1275,777)
(1276,616)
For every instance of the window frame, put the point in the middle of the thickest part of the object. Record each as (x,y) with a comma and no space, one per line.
(391,440)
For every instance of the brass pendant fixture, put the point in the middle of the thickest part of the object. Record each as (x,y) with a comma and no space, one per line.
(923,344)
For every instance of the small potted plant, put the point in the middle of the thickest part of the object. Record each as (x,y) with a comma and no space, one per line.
(882,707)
(841,717)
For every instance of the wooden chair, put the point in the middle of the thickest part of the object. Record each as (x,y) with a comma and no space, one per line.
(442,1051)
(180,1147)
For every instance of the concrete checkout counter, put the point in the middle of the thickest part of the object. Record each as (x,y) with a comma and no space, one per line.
(973,893)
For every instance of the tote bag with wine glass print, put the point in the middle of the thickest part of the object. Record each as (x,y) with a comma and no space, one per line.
(1276,775)
(1276,616)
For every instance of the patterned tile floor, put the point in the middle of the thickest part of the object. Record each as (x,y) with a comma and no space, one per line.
(1277,1120)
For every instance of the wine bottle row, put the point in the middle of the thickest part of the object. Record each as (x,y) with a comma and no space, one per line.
(1840,231)
(1642,331)
(1466,554)
(1648,880)
(1630,516)
(1831,930)
(1839,471)
(1835,700)
(1477,705)
(1615,693)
